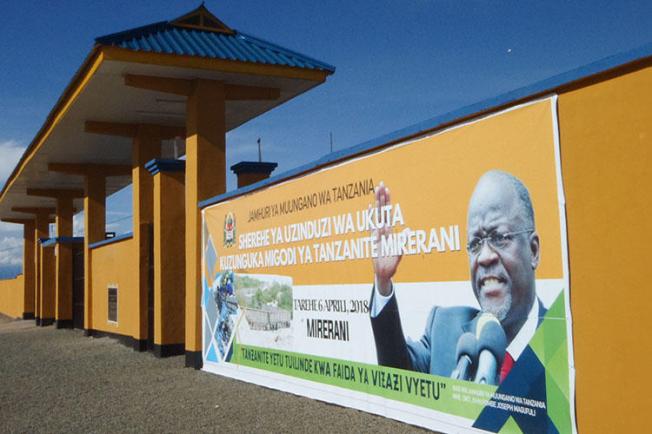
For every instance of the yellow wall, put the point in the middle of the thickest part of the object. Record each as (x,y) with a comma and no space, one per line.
(12,297)
(114,264)
(606,158)
(606,152)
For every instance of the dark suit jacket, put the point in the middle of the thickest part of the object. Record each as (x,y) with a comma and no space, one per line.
(434,353)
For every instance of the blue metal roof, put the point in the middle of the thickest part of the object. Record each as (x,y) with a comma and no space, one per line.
(254,167)
(167,37)
(544,87)
(157,165)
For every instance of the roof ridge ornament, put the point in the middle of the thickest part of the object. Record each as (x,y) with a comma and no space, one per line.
(202,19)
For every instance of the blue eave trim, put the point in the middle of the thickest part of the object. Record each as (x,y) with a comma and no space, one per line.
(547,86)
(111,240)
(12,278)
(70,240)
(47,242)
(165,165)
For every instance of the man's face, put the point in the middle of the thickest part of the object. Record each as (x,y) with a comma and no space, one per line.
(502,278)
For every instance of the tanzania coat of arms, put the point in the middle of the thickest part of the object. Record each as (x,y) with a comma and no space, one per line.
(229,229)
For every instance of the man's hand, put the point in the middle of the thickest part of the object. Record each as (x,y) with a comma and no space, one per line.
(384,266)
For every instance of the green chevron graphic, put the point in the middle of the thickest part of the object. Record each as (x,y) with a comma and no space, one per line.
(550,344)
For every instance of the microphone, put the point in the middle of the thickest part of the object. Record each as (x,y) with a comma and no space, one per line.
(492,344)
(466,355)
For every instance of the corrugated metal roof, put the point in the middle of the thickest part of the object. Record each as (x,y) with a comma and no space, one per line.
(168,38)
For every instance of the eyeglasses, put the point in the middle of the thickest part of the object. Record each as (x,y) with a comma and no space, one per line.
(496,240)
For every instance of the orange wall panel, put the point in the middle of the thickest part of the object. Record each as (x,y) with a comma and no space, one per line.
(606,152)
(12,297)
(115,264)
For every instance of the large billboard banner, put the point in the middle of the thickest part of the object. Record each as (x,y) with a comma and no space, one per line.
(427,281)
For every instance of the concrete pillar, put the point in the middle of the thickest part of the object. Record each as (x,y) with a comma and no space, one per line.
(63,263)
(46,282)
(41,230)
(94,228)
(205,177)
(28,270)
(146,146)
(169,264)
(249,172)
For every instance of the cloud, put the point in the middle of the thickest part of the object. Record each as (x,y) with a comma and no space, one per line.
(78,224)
(11,250)
(10,228)
(11,152)
(117,214)
(11,244)
(120,226)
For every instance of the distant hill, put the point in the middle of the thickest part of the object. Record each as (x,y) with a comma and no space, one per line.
(10,271)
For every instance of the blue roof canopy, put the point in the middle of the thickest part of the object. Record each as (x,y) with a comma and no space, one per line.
(200,33)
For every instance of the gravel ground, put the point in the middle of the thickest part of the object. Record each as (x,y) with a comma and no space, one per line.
(60,381)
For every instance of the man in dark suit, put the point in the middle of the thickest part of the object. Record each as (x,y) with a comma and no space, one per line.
(503,248)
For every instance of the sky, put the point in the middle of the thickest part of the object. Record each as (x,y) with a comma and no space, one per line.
(398,62)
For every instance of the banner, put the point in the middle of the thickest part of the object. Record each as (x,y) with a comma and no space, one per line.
(426,282)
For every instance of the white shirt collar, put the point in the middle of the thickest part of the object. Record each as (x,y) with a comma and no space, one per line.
(523,337)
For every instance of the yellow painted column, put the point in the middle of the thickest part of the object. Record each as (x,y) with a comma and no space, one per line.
(38,257)
(28,270)
(94,230)
(41,230)
(146,146)
(47,282)
(169,265)
(63,264)
(205,177)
